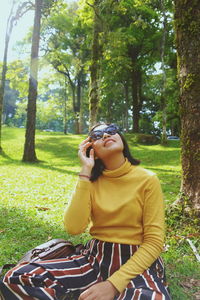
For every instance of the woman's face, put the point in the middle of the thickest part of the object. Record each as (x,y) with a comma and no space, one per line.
(108,144)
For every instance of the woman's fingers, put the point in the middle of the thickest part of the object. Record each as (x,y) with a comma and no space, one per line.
(92,153)
(86,155)
(84,142)
(84,147)
(86,295)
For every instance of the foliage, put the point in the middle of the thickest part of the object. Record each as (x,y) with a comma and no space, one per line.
(147,139)
(32,204)
(17,75)
(127,27)
(67,50)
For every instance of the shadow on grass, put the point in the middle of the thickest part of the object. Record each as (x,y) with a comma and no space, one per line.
(4,155)
(156,154)
(161,170)
(49,167)
(64,153)
(59,146)
(156,157)
(40,164)
(61,153)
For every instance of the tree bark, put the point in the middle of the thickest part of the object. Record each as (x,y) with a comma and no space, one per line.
(29,146)
(136,98)
(94,68)
(3,80)
(65,109)
(187,25)
(136,86)
(163,99)
(126,95)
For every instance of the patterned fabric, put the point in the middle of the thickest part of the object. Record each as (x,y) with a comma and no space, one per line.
(66,278)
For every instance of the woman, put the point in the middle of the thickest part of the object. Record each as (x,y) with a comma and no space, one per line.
(123,204)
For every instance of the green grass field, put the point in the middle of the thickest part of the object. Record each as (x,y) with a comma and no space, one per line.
(34,196)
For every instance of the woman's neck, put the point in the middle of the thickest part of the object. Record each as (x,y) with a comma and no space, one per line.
(114,162)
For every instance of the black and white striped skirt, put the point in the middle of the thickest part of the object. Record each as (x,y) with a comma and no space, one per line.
(66,278)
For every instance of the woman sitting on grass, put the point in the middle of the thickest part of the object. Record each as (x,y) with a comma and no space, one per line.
(123,204)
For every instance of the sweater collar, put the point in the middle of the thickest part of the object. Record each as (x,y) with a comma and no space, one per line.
(124,169)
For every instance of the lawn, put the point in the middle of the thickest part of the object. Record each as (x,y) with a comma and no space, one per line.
(34,196)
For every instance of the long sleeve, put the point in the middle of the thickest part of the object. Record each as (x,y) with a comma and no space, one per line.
(153,237)
(77,213)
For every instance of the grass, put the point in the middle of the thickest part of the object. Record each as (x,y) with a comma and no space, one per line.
(34,196)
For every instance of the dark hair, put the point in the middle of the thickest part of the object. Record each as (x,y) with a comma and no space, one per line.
(99,166)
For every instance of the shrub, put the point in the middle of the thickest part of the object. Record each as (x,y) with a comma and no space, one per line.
(147,139)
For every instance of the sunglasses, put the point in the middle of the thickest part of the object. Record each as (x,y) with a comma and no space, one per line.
(98,134)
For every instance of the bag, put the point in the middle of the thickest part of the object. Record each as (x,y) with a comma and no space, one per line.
(53,249)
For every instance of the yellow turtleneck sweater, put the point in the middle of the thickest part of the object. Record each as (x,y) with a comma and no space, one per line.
(123,206)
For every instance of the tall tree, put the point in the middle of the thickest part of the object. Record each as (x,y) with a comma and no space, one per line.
(14,16)
(187,25)
(132,43)
(29,146)
(67,50)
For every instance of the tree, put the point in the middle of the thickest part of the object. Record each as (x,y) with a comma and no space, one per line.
(42,7)
(132,43)
(14,16)
(187,25)
(67,51)
(29,146)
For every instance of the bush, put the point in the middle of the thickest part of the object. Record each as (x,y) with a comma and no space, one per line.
(147,139)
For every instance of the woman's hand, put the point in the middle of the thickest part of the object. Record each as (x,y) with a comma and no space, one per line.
(86,162)
(100,291)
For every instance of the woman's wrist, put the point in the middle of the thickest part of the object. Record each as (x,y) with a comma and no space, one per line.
(85,171)
(83,176)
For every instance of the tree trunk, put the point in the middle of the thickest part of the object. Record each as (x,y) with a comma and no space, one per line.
(126,94)
(187,24)
(2,84)
(29,146)
(65,109)
(12,19)
(81,119)
(136,98)
(9,27)
(163,88)
(78,105)
(94,68)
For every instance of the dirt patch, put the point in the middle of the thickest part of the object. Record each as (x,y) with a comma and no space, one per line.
(192,284)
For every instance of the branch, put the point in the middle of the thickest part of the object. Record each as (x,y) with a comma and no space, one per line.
(69,77)
(56,66)
(194,249)
(18,14)
(95,11)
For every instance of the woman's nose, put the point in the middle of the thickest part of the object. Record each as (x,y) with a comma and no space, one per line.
(105,135)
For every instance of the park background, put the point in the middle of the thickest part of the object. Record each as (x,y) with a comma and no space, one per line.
(78,62)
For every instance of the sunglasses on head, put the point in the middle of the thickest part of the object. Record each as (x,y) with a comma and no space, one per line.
(98,134)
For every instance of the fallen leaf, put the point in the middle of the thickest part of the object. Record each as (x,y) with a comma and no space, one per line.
(193,234)
(42,208)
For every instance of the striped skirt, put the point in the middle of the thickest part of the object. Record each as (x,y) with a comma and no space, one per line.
(66,278)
